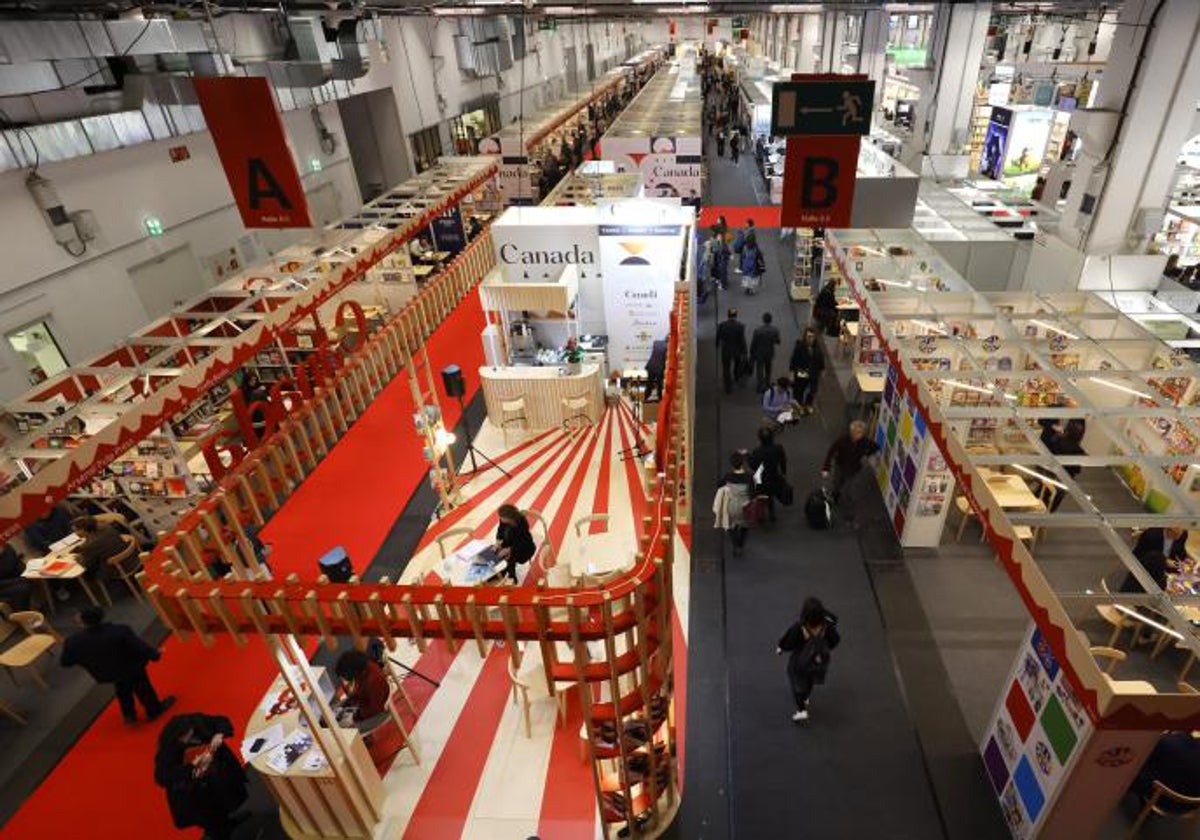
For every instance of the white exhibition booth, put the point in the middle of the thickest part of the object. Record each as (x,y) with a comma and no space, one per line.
(599,280)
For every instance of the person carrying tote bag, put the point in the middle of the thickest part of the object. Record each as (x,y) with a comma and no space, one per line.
(809,643)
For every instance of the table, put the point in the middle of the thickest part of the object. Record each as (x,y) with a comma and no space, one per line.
(602,554)
(543,389)
(870,382)
(313,800)
(420,272)
(1011,492)
(436,256)
(62,559)
(461,568)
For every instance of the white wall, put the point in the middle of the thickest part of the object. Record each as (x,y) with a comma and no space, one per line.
(91,300)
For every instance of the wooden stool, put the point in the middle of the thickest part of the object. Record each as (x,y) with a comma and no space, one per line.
(512,411)
(575,409)
(25,654)
(965,511)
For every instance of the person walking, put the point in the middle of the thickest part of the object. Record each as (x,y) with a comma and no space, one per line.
(771,458)
(719,269)
(735,146)
(778,402)
(845,458)
(204,781)
(721,143)
(807,364)
(763,342)
(114,654)
(731,342)
(734,494)
(656,368)
(752,265)
(809,642)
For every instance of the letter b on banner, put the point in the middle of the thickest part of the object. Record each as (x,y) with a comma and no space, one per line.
(818,181)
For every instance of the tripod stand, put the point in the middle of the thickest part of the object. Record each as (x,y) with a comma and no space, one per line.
(414,672)
(472,450)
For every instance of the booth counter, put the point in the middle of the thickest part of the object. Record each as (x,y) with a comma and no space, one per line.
(549,396)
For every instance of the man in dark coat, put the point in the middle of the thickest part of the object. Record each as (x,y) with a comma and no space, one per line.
(656,368)
(762,351)
(113,653)
(731,341)
(14,589)
(204,781)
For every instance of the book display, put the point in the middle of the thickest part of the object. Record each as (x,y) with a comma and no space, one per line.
(145,427)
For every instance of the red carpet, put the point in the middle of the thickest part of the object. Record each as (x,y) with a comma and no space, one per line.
(91,790)
(765,216)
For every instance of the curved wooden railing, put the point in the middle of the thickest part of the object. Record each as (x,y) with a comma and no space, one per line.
(631,732)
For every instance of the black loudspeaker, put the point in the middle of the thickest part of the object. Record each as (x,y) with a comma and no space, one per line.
(336,566)
(452,381)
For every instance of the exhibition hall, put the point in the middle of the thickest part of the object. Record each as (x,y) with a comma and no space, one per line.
(496,420)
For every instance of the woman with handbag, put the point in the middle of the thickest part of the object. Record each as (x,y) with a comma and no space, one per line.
(771,458)
(733,506)
(809,641)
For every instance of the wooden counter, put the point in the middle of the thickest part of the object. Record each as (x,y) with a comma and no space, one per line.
(317,803)
(544,389)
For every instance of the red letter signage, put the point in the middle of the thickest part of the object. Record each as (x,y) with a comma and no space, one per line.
(818,182)
(248,133)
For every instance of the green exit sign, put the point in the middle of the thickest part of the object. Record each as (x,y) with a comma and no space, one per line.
(548,25)
(739,23)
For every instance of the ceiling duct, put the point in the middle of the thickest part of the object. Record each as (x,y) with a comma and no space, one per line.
(483,45)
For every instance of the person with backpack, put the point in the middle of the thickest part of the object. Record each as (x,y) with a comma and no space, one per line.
(752,266)
(809,643)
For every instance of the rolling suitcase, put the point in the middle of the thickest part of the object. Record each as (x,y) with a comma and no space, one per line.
(818,509)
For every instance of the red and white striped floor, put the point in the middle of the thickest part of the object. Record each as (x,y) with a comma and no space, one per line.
(480,778)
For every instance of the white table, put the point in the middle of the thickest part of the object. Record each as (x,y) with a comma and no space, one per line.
(460,568)
(602,554)
(62,559)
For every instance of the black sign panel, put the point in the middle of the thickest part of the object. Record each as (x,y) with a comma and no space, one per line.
(833,106)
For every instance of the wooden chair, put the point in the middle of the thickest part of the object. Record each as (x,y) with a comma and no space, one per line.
(575,412)
(126,566)
(9,711)
(1115,657)
(540,519)
(966,513)
(1187,688)
(26,653)
(1158,793)
(585,522)
(529,685)
(33,622)
(451,536)
(512,411)
(1113,616)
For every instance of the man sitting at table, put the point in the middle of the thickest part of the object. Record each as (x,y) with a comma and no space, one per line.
(514,542)
(49,529)
(1171,542)
(100,542)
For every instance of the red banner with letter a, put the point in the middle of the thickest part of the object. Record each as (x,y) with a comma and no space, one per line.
(248,133)
(818,181)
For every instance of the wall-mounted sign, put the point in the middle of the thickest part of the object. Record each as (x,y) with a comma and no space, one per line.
(250,140)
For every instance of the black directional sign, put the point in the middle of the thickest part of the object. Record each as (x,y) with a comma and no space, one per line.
(833,106)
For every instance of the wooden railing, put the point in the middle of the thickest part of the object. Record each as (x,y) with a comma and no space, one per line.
(631,732)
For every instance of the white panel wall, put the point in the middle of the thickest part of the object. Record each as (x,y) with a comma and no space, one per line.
(90,300)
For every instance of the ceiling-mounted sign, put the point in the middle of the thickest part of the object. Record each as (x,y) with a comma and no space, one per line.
(547,25)
(250,140)
(818,182)
(738,23)
(822,104)
(824,117)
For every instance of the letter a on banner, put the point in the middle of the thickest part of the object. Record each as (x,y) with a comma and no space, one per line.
(248,133)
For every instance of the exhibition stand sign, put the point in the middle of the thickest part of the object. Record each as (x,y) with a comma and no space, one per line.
(513,179)
(640,265)
(250,140)
(824,117)
(670,166)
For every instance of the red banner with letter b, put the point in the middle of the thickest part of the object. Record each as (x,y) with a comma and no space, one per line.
(818,181)
(250,140)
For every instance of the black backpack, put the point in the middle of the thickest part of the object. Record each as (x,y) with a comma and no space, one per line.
(813,658)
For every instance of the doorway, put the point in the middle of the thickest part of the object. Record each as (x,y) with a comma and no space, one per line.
(38,350)
(168,280)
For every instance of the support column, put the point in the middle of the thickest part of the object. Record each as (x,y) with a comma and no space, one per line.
(872,49)
(809,34)
(1126,166)
(959,41)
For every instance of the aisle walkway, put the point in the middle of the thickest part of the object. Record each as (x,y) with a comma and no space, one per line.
(857,768)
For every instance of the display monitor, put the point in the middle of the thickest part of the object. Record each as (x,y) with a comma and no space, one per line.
(995,143)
